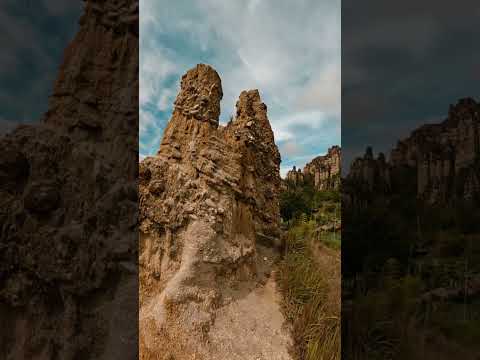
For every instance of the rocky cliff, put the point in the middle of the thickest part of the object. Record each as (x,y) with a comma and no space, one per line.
(444,157)
(68,203)
(323,171)
(207,199)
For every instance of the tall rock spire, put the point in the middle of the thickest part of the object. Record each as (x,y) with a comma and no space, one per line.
(207,199)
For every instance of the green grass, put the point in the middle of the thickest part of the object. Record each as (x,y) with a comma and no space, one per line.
(307,302)
(310,285)
(331,240)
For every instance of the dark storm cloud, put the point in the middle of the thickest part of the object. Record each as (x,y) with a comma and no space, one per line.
(403,63)
(33,35)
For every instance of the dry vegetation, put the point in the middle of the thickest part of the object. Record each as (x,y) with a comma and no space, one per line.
(310,277)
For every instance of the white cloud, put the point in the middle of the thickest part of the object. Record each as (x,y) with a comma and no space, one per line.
(290,52)
(285,127)
(280,47)
(291,149)
(324,91)
(147,119)
(283,170)
(155,68)
(166,99)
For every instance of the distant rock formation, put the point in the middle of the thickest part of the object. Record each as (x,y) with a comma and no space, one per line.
(68,203)
(323,171)
(444,157)
(295,176)
(206,199)
(371,173)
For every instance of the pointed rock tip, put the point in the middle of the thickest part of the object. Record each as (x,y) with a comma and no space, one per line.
(250,102)
(251,95)
(200,93)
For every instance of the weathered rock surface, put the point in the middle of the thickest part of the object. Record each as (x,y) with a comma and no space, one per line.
(444,157)
(68,203)
(207,199)
(323,171)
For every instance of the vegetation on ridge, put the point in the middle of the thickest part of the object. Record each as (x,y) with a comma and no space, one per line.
(405,286)
(309,274)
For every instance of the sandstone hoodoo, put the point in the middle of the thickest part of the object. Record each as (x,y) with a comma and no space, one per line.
(323,171)
(68,203)
(207,200)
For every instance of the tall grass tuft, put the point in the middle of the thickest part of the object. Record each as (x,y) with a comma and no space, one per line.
(311,301)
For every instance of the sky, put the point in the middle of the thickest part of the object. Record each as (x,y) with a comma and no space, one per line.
(33,36)
(290,51)
(403,64)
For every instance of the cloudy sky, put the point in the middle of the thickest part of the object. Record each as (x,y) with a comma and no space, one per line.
(33,35)
(403,63)
(289,50)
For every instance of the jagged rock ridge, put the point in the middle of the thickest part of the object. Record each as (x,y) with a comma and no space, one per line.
(443,156)
(324,171)
(207,199)
(68,203)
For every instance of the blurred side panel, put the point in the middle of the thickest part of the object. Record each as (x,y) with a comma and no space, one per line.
(411,185)
(68,198)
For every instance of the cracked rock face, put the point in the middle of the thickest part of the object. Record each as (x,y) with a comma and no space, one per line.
(206,199)
(68,203)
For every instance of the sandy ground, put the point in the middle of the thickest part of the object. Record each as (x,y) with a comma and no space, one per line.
(248,325)
(251,326)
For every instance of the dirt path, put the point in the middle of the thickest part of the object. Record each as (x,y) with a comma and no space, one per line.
(251,326)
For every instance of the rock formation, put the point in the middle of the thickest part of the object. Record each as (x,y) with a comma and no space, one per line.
(323,171)
(370,172)
(207,199)
(443,156)
(295,176)
(68,194)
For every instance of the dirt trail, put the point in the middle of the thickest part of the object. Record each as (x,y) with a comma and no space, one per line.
(251,326)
